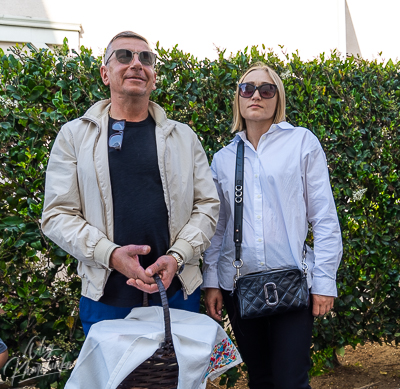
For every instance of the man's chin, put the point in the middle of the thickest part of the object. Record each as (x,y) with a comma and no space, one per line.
(135,92)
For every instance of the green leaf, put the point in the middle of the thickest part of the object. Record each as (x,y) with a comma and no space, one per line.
(42,289)
(340,351)
(21,292)
(76,95)
(12,220)
(45,295)
(195,117)
(36,92)
(350,152)
(60,252)
(11,88)
(37,245)
(19,243)
(5,125)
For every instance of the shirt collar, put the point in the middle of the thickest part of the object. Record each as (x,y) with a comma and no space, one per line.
(273,128)
(280,126)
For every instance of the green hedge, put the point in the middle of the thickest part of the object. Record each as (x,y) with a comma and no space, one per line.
(351,105)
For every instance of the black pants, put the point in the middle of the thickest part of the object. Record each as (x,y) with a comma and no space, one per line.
(276,349)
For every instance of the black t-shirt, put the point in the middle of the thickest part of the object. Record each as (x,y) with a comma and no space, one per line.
(140,212)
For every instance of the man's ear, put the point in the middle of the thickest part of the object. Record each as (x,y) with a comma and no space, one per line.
(104,74)
(154,81)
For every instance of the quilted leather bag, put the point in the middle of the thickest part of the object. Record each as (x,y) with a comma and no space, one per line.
(269,292)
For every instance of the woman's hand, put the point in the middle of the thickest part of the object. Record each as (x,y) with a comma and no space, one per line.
(322,304)
(213,301)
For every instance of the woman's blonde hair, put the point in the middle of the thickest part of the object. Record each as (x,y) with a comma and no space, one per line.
(238,123)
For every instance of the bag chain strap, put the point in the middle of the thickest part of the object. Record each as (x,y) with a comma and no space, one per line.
(238,215)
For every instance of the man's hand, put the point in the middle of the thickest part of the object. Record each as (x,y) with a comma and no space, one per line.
(322,304)
(166,267)
(213,301)
(125,259)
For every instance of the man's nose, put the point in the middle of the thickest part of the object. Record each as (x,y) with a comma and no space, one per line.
(135,63)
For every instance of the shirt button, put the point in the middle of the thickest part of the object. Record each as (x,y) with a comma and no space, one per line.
(262,263)
(256,175)
(259,239)
(258,217)
(258,196)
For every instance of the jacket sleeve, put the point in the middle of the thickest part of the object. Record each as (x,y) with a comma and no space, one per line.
(211,256)
(194,238)
(321,213)
(62,219)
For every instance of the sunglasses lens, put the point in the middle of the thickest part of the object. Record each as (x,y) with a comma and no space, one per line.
(115,141)
(123,56)
(147,57)
(118,126)
(267,91)
(246,90)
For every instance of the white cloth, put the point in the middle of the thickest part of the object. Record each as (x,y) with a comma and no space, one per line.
(114,348)
(286,186)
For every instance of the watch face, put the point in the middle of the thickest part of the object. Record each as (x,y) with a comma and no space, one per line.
(180,269)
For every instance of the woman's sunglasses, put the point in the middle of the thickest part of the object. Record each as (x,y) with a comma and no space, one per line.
(125,57)
(266,91)
(115,140)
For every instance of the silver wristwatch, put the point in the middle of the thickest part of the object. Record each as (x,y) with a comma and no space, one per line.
(179,261)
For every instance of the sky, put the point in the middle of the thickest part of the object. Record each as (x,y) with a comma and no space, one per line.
(309,26)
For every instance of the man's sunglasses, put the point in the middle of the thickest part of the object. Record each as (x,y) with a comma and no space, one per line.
(266,91)
(125,57)
(115,140)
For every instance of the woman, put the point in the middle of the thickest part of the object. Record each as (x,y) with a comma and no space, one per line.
(286,186)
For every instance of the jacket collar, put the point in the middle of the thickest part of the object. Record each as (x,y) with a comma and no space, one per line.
(97,111)
(100,109)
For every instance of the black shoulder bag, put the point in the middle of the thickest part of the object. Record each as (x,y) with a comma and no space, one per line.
(269,292)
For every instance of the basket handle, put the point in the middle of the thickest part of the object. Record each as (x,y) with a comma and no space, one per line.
(164,301)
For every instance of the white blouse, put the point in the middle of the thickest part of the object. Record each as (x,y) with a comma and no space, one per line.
(286,186)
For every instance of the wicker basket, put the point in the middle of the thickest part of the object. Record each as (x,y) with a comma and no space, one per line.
(161,369)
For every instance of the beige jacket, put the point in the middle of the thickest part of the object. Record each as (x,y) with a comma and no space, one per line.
(78,211)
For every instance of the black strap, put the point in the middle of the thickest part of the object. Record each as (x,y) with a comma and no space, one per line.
(165,305)
(239,186)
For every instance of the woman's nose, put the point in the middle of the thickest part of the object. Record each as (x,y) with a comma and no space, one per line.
(256,95)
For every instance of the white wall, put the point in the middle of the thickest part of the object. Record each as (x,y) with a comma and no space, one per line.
(39,32)
(309,26)
(376,24)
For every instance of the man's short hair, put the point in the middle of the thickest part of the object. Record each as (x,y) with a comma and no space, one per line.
(123,34)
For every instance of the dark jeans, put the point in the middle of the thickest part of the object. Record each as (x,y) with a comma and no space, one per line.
(276,349)
(91,311)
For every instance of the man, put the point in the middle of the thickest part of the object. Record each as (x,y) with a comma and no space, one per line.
(129,193)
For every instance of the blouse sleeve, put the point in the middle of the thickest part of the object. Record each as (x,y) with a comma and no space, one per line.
(321,213)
